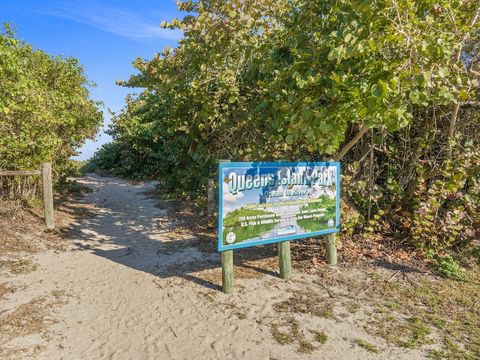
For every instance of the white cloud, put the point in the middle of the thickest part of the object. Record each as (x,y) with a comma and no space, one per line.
(112,19)
(230,200)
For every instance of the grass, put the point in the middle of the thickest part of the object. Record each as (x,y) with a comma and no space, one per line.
(427,309)
(411,333)
(319,336)
(306,303)
(419,332)
(23,230)
(30,318)
(407,308)
(452,351)
(366,345)
(304,347)
(21,266)
(5,289)
(391,305)
(281,337)
(354,307)
(291,334)
(411,309)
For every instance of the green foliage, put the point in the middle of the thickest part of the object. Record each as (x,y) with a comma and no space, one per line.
(476,253)
(386,86)
(366,345)
(45,109)
(450,268)
(73,168)
(234,219)
(106,158)
(73,188)
(320,336)
(419,332)
(237,216)
(311,211)
(450,203)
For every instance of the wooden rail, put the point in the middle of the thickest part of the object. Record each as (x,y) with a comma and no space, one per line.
(46,173)
(20,173)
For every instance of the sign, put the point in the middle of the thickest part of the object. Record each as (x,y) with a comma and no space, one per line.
(262,203)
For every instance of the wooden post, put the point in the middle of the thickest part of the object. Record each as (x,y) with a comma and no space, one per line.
(331,250)
(227,256)
(284,257)
(210,198)
(285,260)
(48,195)
(227,271)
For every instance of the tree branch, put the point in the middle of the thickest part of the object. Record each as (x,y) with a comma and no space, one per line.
(470,103)
(351,143)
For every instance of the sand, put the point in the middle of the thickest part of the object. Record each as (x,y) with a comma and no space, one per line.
(134,287)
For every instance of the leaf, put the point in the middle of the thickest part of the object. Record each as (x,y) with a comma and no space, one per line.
(371,103)
(337,53)
(380,89)
(371,44)
(332,55)
(463,95)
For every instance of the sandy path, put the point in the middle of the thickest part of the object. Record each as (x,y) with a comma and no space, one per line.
(133,293)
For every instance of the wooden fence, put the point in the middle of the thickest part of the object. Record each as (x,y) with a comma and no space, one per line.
(46,179)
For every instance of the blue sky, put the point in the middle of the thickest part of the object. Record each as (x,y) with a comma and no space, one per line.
(106,36)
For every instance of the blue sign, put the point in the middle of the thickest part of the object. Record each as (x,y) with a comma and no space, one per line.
(262,203)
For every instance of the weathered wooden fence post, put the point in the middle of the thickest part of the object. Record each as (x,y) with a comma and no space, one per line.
(48,195)
(285,260)
(331,249)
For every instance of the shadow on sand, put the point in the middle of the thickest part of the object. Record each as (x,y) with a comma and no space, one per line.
(154,243)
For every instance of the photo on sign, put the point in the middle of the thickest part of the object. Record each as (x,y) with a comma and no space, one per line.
(262,202)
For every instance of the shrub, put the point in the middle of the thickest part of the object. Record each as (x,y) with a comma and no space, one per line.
(45,108)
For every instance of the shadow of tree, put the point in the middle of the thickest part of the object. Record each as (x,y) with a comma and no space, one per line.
(395,266)
(142,237)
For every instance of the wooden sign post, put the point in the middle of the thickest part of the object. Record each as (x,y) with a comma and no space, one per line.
(226,256)
(227,271)
(284,256)
(285,260)
(331,249)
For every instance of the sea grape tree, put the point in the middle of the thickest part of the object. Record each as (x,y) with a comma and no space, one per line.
(46,112)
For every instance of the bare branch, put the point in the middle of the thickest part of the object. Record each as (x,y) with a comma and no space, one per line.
(351,143)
